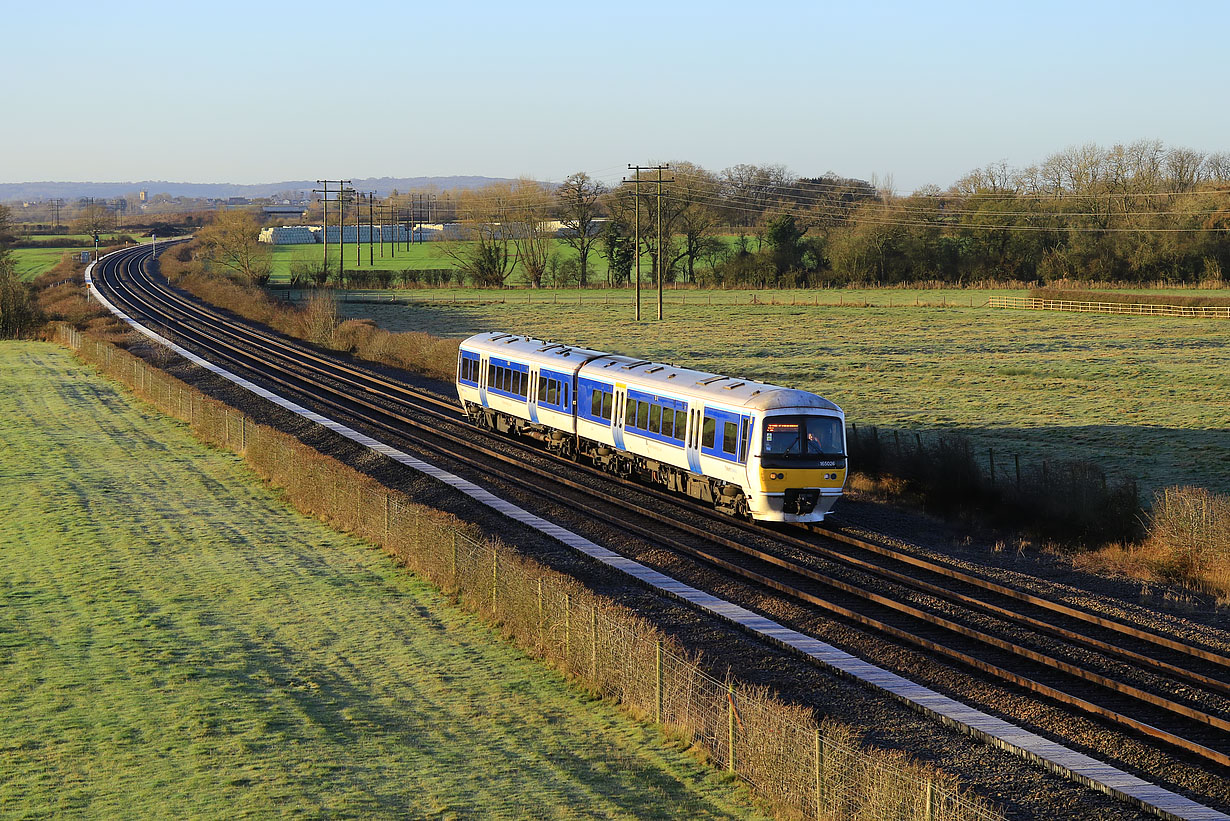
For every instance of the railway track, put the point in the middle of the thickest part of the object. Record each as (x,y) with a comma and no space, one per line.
(1148,684)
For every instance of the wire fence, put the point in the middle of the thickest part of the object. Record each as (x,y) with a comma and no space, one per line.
(1133,308)
(804,769)
(620,296)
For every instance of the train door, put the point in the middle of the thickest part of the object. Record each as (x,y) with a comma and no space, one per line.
(693,439)
(531,394)
(483,366)
(617,416)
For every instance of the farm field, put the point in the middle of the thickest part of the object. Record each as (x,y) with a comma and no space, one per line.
(433,254)
(175,641)
(419,256)
(1144,397)
(32,262)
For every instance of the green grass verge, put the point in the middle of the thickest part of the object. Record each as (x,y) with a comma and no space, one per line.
(1143,396)
(176,642)
(33,262)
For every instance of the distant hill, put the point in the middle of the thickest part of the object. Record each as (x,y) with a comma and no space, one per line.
(29,191)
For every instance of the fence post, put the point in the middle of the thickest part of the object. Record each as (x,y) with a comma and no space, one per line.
(456,583)
(243,433)
(226,426)
(657,715)
(542,622)
(495,576)
(930,811)
(567,629)
(991,458)
(730,724)
(388,511)
(819,762)
(1017,458)
(593,648)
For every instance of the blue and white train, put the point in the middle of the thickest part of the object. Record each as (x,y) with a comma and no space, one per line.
(750,449)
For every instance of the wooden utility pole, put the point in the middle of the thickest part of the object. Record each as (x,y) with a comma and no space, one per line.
(324,212)
(636,241)
(371,228)
(660,265)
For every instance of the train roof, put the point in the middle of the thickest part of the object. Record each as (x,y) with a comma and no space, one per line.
(650,376)
(529,348)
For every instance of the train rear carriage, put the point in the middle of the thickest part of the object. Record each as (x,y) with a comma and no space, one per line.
(521,385)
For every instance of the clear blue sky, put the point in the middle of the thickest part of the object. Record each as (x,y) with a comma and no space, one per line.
(261,92)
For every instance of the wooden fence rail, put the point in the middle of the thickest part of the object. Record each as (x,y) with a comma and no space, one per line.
(1133,308)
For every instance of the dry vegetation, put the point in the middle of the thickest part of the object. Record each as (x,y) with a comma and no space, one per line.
(1188,543)
(317,322)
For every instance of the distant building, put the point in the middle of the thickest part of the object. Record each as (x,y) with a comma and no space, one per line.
(285,210)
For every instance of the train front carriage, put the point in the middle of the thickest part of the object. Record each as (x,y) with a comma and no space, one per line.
(798,470)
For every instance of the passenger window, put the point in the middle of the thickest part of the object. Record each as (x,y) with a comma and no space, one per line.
(681,424)
(606,405)
(655,418)
(595,406)
(553,391)
(491,375)
(542,387)
(743,436)
(630,414)
(642,415)
(708,432)
(668,423)
(730,438)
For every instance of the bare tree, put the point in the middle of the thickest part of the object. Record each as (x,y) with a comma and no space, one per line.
(532,237)
(231,241)
(579,206)
(94,218)
(486,254)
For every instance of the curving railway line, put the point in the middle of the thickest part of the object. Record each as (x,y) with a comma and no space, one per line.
(1172,693)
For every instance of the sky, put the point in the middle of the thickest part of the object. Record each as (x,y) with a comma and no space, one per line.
(908,92)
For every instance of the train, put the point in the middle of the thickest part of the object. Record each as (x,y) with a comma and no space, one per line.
(747,448)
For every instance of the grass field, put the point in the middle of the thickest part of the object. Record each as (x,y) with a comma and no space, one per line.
(176,642)
(1144,397)
(31,262)
(419,255)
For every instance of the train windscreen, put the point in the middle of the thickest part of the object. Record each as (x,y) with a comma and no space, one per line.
(802,438)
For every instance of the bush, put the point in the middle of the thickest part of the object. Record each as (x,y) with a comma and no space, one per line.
(1069,501)
(1189,537)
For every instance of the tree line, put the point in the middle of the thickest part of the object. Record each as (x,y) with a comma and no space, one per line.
(1140,212)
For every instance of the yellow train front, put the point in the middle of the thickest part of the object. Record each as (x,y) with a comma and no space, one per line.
(797,469)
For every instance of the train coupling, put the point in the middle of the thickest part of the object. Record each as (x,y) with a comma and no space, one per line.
(800,501)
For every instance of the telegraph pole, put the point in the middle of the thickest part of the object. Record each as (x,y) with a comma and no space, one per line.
(636,182)
(324,213)
(371,228)
(636,229)
(660,265)
(341,229)
(358,213)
